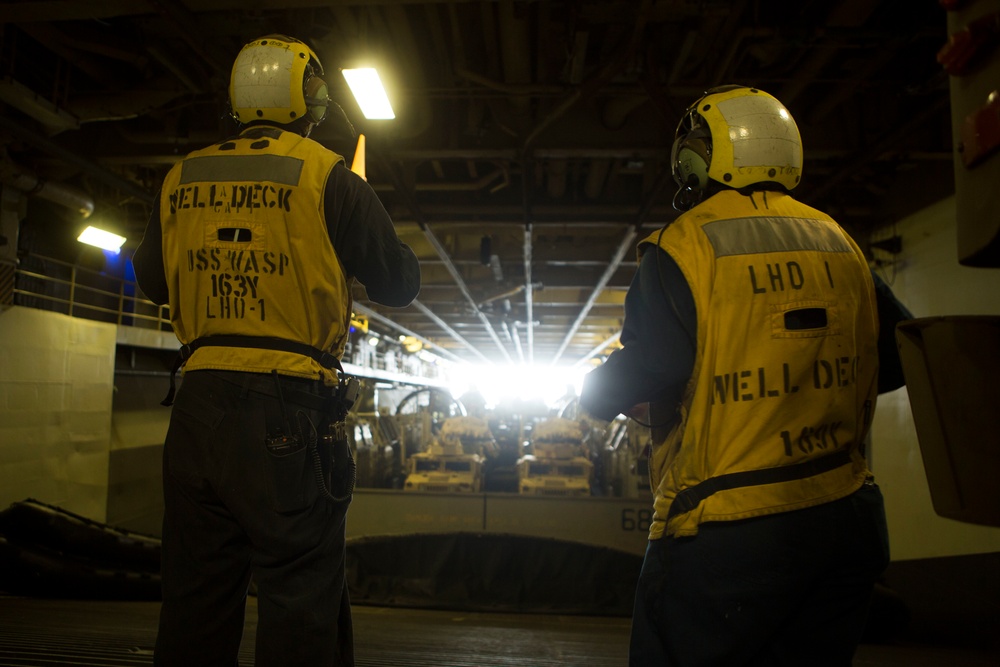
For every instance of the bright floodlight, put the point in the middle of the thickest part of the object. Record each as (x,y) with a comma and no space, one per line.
(369,93)
(517,382)
(102,239)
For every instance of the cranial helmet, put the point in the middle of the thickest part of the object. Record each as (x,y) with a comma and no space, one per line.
(738,137)
(278,78)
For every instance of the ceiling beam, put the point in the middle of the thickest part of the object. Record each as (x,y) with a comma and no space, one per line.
(91,168)
(626,243)
(385,321)
(443,254)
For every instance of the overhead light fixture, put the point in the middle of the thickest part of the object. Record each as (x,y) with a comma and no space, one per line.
(101,239)
(368,91)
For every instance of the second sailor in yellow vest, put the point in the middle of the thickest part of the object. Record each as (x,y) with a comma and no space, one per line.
(786,365)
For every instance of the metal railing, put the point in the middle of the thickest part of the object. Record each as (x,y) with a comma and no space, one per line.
(51,284)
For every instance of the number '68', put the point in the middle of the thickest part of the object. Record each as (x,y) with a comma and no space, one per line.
(636,519)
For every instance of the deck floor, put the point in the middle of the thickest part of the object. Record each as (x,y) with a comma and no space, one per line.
(43,633)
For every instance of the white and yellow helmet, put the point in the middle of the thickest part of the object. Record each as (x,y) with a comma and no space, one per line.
(277,78)
(737,136)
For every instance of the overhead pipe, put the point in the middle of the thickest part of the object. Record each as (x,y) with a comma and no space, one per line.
(504,295)
(598,349)
(734,35)
(46,33)
(842,14)
(19,96)
(599,80)
(578,57)
(96,108)
(92,168)
(808,71)
(589,88)
(505,328)
(174,66)
(527,249)
(616,111)
(514,49)
(597,174)
(848,89)
(79,41)
(29,183)
(507,154)
(580,215)
(507,294)
(529,295)
(373,315)
(517,343)
(449,265)
(187,25)
(516,69)
(448,330)
(626,244)
(196,138)
(460,282)
(511,333)
(623,247)
(888,142)
(687,46)
(556,179)
(473,186)
(511,89)
(26,12)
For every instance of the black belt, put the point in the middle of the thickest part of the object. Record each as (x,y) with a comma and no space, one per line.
(324,359)
(691,497)
(313,401)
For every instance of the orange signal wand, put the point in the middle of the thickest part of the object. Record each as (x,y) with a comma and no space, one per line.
(358,166)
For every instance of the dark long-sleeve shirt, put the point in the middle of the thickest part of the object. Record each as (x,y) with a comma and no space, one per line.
(361,232)
(659,341)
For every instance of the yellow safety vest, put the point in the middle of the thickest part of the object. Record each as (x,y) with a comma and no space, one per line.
(785,376)
(247,253)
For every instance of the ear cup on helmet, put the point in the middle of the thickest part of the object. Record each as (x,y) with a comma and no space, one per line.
(691,164)
(317,98)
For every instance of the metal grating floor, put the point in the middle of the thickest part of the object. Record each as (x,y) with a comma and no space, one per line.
(58,633)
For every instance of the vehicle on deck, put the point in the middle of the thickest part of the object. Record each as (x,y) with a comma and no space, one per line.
(557,464)
(454,460)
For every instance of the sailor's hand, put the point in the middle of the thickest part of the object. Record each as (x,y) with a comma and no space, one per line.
(639,412)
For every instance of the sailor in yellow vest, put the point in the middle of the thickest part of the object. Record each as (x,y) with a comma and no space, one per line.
(752,330)
(254,243)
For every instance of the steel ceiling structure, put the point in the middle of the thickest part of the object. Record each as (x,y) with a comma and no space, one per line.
(531,145)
